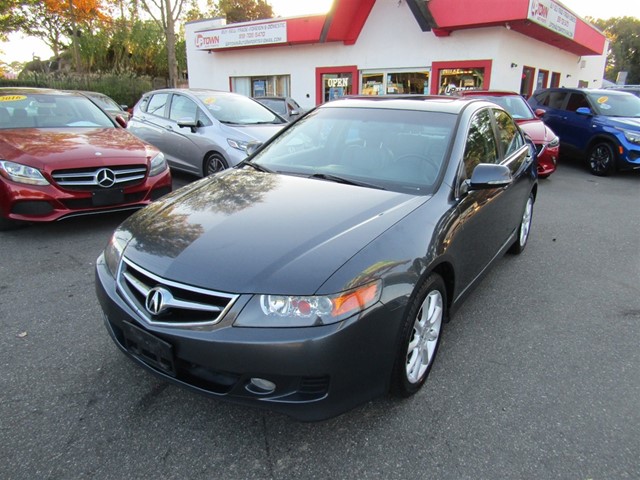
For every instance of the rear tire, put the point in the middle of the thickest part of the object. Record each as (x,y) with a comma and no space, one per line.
(419,337)
(214,163)
(601,159)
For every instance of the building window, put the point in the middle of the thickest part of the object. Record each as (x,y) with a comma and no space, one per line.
(336,85)
(449,77)
(454,79)
(267,85)
(543,78)
(395,82)
(555,79)
(526,84)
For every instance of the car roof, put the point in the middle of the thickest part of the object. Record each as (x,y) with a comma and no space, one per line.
(600,91)
(206,91)
(486,93)
(427,103)
(39,91)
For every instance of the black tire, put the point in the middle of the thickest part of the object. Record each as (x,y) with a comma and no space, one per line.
(420,335)
(601,159)
(524,228)
(214,163)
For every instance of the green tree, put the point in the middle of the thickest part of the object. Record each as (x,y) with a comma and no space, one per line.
(237,11)
(624,47)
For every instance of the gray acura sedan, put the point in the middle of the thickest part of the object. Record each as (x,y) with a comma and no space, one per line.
(318,274)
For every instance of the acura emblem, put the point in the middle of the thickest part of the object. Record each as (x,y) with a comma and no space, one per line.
(105,178)
(157,300)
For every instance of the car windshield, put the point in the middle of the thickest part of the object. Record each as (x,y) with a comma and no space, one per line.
(517,107)
(38,110)
(615,104)
(237,110)
(278,106)
(106,102)
(400,150)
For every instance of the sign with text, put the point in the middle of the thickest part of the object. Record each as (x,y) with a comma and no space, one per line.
(242,36)
(552,16)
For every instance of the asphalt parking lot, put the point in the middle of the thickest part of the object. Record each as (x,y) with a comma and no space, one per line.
(538,375)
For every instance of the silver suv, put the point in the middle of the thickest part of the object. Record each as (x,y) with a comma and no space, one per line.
(202,131)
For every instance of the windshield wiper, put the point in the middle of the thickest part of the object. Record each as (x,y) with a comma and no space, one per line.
(346,181)
(256,166)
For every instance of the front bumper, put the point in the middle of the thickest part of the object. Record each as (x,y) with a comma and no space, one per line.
(318,372)
(46,203)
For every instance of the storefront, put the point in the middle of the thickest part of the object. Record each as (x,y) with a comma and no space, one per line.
(405,47)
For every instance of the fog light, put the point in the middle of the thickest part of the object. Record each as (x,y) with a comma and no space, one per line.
(260,386)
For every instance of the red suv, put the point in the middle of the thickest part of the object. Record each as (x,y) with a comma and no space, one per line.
(62,156)
(547,143)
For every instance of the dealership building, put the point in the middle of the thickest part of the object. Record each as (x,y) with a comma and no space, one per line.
(381,47)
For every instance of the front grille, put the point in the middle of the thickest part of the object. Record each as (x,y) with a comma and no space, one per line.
(82,203)
(175,303)
(540,147)
(91,179)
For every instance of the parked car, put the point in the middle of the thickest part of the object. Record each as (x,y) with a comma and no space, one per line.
(547,143)
(601,126)
(286,107)
(62,156)
(318,273)
(202,131)
(108,104)
(635,89)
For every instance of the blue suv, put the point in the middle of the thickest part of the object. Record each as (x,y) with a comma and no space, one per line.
(601,126)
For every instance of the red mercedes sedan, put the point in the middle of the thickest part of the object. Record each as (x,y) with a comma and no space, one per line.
(547,143)
(62,156)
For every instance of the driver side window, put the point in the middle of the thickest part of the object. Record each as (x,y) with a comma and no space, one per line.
(481,144)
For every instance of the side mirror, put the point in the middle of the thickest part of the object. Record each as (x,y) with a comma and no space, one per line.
(584,111)
(191,123)
(539,112)
(489,175)
(120,120)
(252,147)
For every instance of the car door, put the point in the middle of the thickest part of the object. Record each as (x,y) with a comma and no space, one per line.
(485,217)
(576,129)
(149,120)
(185,146)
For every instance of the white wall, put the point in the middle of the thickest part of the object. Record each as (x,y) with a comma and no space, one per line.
(391,38)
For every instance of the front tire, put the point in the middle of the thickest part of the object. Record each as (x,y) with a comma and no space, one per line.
(601,159)
(419,337)
(214,163)
(525,227)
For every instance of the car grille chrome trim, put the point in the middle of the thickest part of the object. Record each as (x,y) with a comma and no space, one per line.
(183,306)
(88,177)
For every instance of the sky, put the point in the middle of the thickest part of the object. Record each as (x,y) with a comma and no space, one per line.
(23,49)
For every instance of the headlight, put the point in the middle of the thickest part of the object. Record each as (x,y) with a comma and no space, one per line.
(307,311)
(239,144)
(115,248)
(554,143)
(158,165)
(633,137)
(21,173)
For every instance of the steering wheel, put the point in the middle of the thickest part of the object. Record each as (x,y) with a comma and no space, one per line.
(430,173)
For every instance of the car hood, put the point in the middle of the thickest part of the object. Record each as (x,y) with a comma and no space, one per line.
(260,133)
(622,122)
(244,231)
(54,148)
(536,129)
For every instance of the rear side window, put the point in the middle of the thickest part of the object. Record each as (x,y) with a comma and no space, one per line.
(157,104)
(555,99)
